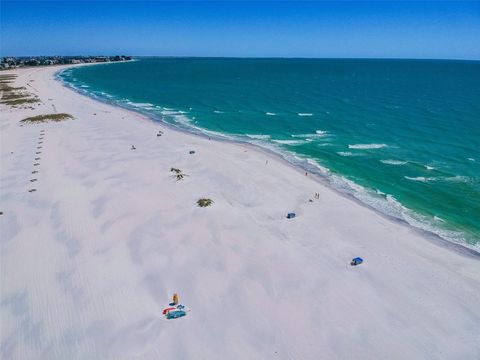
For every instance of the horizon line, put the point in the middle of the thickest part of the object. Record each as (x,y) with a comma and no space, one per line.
(251,57)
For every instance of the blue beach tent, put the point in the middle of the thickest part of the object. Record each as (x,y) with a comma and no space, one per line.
(356,261)
(290,215)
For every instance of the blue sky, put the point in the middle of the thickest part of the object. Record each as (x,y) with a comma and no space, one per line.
(287,29)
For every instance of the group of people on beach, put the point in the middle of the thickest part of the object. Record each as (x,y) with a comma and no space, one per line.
(317,196)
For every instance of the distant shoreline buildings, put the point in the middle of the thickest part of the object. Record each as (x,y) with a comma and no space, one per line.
(12,62)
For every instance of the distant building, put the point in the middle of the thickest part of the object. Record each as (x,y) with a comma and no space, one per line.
(14,62)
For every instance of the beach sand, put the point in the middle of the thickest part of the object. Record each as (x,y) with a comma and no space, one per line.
(90,259)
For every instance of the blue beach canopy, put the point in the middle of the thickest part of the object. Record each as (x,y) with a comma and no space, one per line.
(290,215)
(357,261)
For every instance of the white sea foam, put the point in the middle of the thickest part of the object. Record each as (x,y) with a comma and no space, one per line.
(429,167)
(317,134)
(305,114)
(367,146)
(218,112)
(458,178)
(323,170)
(393,162)
(290,142)
(270,114)
(303,136)
(187,122)
(258,136)
(388,204)
(471,159)
(143,105)
(349,153)
(421,178)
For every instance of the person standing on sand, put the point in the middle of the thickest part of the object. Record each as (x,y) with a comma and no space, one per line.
(175,299)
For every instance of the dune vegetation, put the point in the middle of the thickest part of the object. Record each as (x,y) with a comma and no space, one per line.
(47,118)
(14,96)
(204,202)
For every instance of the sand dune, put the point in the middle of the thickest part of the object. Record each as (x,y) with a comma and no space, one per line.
(90,259)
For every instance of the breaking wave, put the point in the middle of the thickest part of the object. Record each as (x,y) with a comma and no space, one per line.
(458,178)
(421,178)
(345,153)
(291,142)
(317,134)
(367,146)
(393,162)
(258,136)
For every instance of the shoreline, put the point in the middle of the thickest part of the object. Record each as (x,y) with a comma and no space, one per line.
(89,260)
(301,166)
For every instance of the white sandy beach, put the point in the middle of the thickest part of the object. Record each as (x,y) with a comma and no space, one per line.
(91,258)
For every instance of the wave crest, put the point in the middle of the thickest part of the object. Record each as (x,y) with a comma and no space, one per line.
(366,146)
(291,142)
(258,136)
(393,162)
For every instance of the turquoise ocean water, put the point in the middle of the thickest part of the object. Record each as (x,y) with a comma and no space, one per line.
(402,136)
